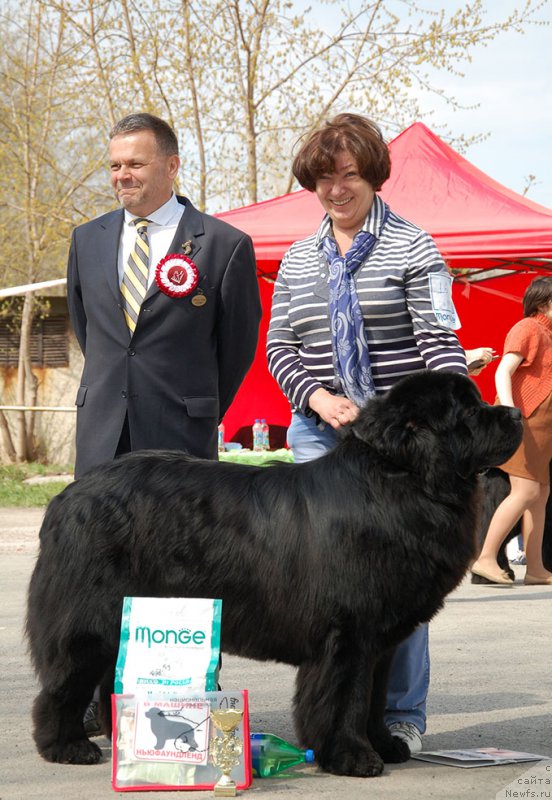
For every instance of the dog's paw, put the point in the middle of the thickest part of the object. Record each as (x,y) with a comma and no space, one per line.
(360,764)
(79,751)
(392,749)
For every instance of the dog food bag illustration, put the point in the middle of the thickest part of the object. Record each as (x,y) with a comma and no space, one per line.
(271,755)
(161,743)
(257,436)
(168,644)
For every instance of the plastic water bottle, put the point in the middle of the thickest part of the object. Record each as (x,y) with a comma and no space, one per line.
(257,436)
(271,755)
(221,438)
(266,436)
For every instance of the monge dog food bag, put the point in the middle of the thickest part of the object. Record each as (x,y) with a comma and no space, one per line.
(168,645)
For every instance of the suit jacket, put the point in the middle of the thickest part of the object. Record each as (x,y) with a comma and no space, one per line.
(178,373)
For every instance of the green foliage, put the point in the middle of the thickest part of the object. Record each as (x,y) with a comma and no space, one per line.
(15,492)
(257,459)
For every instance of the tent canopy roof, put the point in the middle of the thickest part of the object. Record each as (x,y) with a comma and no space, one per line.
(475,221)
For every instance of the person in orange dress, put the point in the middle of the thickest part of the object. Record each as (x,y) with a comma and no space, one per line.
(524,379)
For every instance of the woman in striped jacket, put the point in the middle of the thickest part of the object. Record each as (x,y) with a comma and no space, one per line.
(358,305)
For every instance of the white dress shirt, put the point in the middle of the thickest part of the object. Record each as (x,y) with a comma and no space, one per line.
(161,231)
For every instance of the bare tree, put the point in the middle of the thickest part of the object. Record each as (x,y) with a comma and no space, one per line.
(241,79)
(42,185)
(282,73)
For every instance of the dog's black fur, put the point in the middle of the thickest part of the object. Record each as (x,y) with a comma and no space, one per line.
(495,486)
(325,565)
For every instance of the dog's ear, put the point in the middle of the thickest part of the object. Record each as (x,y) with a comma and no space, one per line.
(394,435)
(399,430)
(421,425)
(366,426)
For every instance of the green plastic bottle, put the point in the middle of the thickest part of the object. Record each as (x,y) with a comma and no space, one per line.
(271,755)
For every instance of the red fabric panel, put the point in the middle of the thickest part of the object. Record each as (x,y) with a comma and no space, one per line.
(470,215)
(259,395)
(475,221)
(487,310)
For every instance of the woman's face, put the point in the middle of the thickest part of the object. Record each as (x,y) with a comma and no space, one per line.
(344,195)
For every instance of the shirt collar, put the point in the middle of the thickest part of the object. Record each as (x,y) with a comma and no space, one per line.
(372,223)
(162,215)
(545,321)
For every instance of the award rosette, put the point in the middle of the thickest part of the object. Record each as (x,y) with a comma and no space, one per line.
(176,275)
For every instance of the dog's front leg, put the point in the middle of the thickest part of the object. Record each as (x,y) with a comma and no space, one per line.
(58,710)
(332,709)
(59,730)
(392,749)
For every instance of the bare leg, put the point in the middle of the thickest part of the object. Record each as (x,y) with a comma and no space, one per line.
(533,529)
(525,526)
(523,494)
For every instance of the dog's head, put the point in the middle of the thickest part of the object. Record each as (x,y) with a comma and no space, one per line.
(435,423)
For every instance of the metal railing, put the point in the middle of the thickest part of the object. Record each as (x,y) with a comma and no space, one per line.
(12,291)
(38,408)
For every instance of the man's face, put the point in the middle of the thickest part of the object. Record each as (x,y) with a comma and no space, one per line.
(142,177)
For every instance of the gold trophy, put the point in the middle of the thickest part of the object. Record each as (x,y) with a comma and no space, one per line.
(226,749)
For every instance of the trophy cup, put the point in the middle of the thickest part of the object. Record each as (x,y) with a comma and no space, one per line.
(226,749)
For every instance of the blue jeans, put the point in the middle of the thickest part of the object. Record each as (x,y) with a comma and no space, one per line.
(409,675)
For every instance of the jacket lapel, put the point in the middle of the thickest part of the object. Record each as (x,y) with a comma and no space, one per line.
(107,249)
(187,239)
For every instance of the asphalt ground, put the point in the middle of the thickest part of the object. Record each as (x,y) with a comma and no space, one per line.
(491,686)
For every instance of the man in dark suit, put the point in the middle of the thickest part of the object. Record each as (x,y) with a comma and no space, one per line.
(163,362)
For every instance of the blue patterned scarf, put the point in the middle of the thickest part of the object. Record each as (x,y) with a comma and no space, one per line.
(349,344)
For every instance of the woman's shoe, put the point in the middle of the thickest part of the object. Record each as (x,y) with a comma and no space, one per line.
(530,580)
(500,578)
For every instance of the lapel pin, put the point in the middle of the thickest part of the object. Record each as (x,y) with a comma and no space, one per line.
(187,247)
(199,299)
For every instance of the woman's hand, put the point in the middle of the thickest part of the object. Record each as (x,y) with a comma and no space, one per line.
(479,358)
(333,409)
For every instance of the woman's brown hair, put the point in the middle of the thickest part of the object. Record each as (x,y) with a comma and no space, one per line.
(537,295)
(358,135)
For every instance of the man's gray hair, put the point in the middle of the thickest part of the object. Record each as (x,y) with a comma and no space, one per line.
(165,137)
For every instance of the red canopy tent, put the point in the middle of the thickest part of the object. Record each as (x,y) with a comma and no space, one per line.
(478,225)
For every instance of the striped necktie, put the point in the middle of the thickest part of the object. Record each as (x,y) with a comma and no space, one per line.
(135,276)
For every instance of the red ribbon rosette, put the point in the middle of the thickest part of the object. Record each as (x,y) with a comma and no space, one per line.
(176,275)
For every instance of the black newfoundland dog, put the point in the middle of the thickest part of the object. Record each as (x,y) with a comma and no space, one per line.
(325,565)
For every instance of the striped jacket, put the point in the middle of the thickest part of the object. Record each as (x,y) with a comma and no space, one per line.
(404,291)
